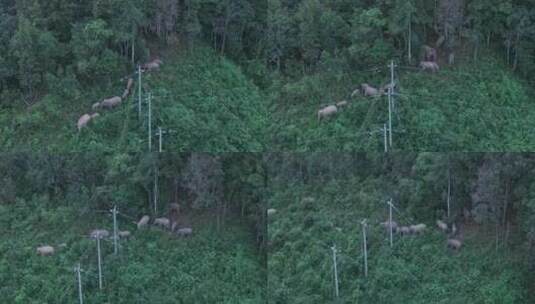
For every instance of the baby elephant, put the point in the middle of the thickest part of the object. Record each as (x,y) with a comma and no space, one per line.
(125,94)
(387,225)
(368,90)
(429,66)
(327,111)
(430,54)
(152,66)
(124,234)
(442,226)
(99,233)
(454,244)
(45,250)
(417,229)
(83,121)
(184,232)
(143,222)
(404,230)
(110,103)
(342,104)
(387,87)
(163,222)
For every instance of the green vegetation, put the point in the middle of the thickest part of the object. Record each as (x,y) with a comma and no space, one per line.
(56,200)
(250,75)
(209,267)
(321,199)
(59,58)
(470,107)
(205,100)
(321,51)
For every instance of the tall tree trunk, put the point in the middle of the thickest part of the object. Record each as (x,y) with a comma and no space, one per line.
(508,54)
(133,51)
(497,235)
(218,216)
(224,39)
(224,213)
(507,230)
(515,60)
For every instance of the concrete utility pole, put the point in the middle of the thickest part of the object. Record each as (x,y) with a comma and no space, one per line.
(155,190)
(133,50)
(390,222)
(390,115)
(160,139)
(385,135)
(336,292)
(449,191)
(150,122)
(392,67)
(77,269)
(115,237)
(139,92)
(99,263)
(364,224)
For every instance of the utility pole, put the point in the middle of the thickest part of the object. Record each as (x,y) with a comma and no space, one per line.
(390,115)
(365,247)
(160,139)
(99,263)
(385,135)
(155,190)
(77,269)
(390,222)
(449,191)
(133,49)
(392,66)
(336,292)
(114,211)
(139,92)
(150,122)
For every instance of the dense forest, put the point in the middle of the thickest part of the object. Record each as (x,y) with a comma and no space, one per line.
(248,75)
(317,201)
(191,117)
(60,200)
(59,58)
(479,100)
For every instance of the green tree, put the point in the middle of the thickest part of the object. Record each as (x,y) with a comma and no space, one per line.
(93,57)
(367,43)
(278,37)
(35,52)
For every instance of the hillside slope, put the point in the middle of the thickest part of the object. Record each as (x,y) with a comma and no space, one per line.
(468,107)
(203,100)
(418,269)
(151,267)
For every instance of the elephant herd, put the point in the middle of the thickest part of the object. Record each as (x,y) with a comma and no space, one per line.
(404,230)
(115,101)
(429,63)
(170,223)
(454,236)
(47,250)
